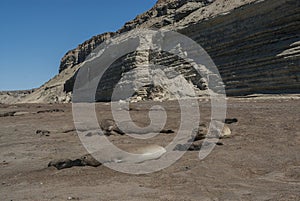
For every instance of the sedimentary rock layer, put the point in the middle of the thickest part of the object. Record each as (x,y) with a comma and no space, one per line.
(256,47)
(254,43)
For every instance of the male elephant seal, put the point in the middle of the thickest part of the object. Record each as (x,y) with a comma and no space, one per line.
(137,154)
(86,160)
(130,154)
(65,163)
(89,160)
(144,153)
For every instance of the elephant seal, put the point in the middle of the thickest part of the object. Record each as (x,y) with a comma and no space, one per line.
(61,163)
(132,154)
(226,132)
(110,127)
(202,131)
(137,154)
(146,152)
(86,160)
(89,160)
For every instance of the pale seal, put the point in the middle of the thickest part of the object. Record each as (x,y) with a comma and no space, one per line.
(138,154)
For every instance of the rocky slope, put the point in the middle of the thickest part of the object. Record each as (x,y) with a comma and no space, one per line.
(254,43)
(78,55)
(11,97)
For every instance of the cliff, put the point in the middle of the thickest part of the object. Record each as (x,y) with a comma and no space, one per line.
(256,47)
(254,43)
(11,97)
(78,55)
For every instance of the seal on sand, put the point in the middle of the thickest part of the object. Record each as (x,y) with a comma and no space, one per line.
(132,154)
(89,160)
(137,154)
(61,163)
(110,127)
(202,131)
(86,160)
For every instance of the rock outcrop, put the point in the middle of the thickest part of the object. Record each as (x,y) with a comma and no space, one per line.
(256,47)
(254,43)
(78,55)
(11,97)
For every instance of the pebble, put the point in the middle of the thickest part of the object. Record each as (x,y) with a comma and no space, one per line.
(73,198)
(219,143)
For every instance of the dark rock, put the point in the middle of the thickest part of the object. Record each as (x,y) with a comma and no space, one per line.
(42,132)
(201,132)
(187,147)
(167,131)
(7,114)
(195,147)
(230,121)
(50,111)
(181,147)
(69,130)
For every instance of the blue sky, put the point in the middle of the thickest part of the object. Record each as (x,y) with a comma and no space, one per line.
(35,34)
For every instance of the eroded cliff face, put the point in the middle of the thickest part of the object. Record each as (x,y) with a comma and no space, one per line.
(78,55)
(165,12)
(255,45)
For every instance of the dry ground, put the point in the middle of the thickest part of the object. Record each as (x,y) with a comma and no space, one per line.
(259,162)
